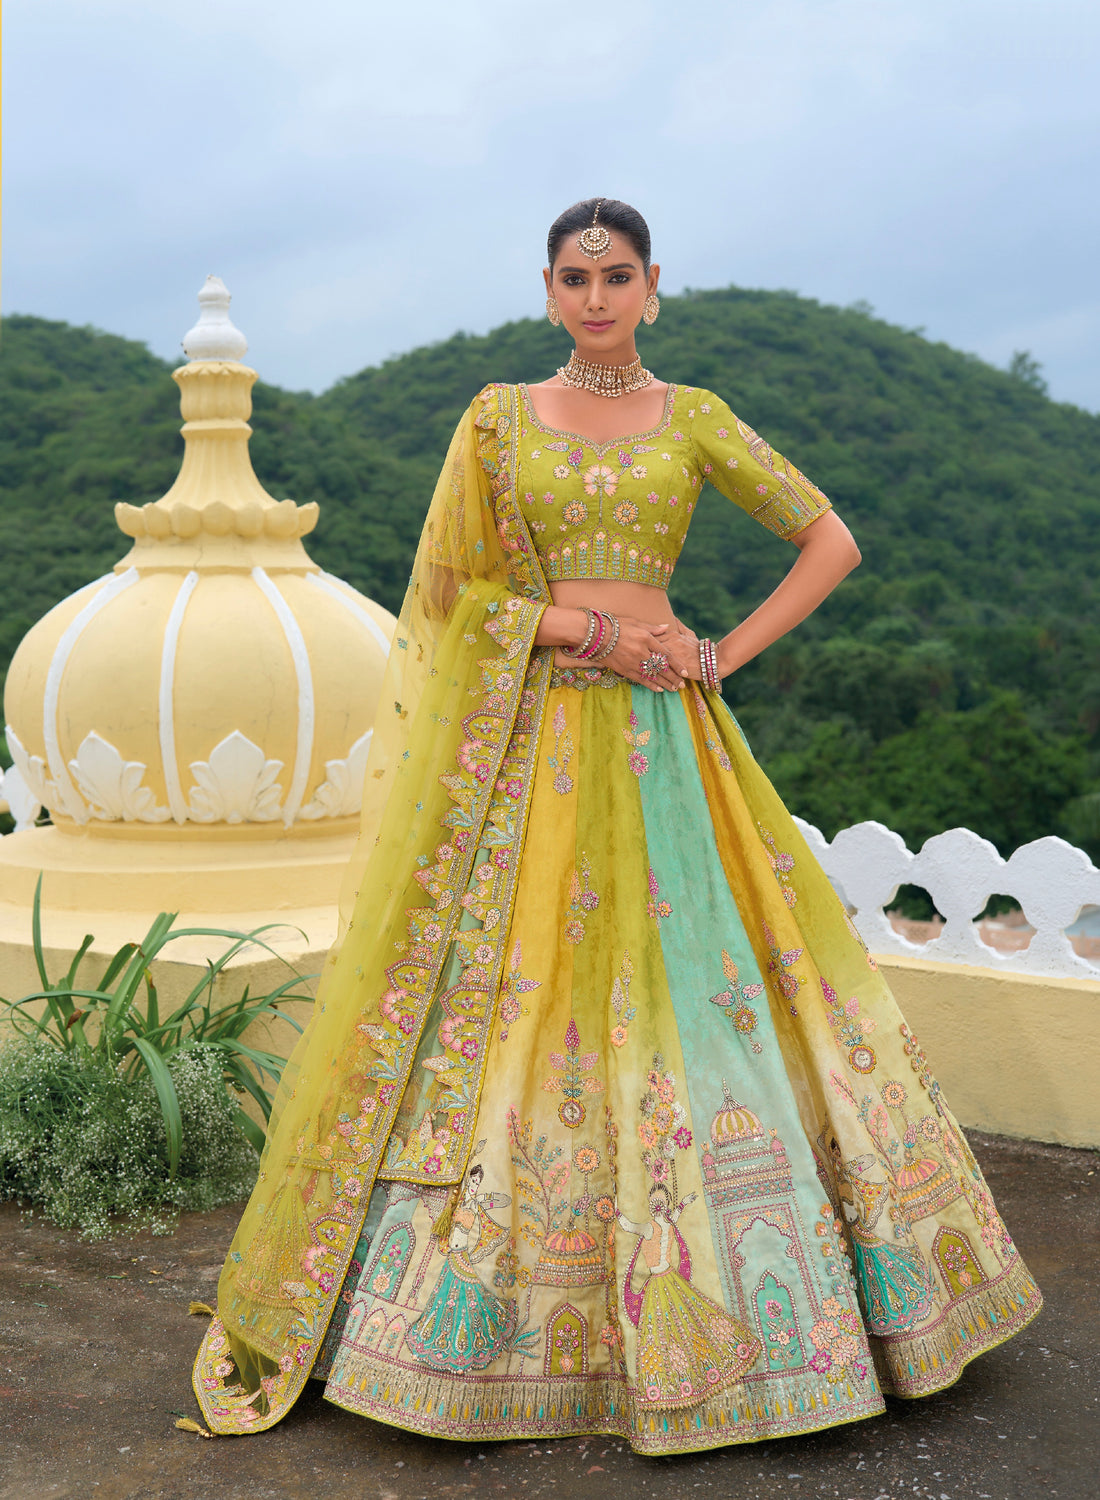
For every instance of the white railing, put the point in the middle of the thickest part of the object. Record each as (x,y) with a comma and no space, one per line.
(1050,879)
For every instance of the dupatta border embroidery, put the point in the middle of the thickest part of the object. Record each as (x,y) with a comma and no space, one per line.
(356,1146)
(473,1001)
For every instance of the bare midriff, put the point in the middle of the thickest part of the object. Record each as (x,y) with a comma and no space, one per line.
(639,600)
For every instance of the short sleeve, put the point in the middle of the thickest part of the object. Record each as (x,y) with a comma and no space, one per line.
(748,471)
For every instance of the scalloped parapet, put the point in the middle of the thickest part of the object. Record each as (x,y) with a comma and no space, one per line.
(1050,879)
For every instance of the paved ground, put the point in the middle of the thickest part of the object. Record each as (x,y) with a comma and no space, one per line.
(96,1346)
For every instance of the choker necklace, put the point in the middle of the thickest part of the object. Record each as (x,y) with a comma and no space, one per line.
(604,380)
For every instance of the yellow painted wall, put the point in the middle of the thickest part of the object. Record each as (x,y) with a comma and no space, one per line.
(1016,1054)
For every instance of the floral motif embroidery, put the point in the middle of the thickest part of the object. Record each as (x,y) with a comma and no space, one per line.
(583,900)
(568,1081)
(894,1094)
(782,864)
(656,909)
(575,512)
(851,1030)
(636,737)
(919,1063)
(834,1339)
(514,985)
(715,747)
(562,753)
(600,480)
(779,963)
(733,1000)
(620,1000)
(662,1129)
(779,1324)
(625,512)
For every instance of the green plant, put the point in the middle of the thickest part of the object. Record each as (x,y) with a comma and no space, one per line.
(87,1148)
(133,1041)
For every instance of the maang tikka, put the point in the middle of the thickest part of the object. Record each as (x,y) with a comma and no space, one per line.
(595,241)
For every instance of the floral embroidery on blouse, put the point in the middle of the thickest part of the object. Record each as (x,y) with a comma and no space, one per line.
(698,441)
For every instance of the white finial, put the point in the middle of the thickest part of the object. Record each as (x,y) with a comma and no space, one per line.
(214,336)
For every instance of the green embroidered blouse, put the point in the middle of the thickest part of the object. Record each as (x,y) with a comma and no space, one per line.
(621,509)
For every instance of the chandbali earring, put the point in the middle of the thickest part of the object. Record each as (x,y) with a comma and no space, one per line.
(651,309)
(552,311)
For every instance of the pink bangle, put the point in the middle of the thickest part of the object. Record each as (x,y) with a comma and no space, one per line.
(582,649)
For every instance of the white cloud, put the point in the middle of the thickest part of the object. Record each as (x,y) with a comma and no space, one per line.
(367,177)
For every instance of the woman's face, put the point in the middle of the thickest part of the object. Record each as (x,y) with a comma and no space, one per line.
(600,301)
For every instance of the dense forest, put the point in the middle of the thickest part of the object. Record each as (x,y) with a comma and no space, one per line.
(953,679)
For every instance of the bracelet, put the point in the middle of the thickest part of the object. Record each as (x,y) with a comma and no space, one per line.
(708,665)
(580,650)
(613,640)
(589,655)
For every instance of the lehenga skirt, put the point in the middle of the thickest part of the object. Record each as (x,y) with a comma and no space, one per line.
(716,1193)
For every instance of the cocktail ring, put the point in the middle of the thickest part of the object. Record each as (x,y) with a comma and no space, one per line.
(654,665)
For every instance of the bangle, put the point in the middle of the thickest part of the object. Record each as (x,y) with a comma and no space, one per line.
(584,645)
(708,665)
(595,646)
(613,638)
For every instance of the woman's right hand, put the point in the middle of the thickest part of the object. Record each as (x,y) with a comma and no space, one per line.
(637,641)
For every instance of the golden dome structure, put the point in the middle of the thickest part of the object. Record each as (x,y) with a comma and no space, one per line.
(197,721)
(734,1122)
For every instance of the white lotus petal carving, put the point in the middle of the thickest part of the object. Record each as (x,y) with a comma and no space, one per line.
(22,802)
(341,793)
(111,786)
(236,785)
(32,768)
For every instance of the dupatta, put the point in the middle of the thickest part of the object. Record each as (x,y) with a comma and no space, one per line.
(424,917)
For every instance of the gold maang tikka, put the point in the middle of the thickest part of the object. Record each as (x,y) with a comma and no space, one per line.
(595,241)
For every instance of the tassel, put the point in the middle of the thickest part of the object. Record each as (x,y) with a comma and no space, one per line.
(197,1308)
(441,1229)
(188,1424)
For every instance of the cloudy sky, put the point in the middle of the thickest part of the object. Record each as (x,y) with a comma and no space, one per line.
(370,177)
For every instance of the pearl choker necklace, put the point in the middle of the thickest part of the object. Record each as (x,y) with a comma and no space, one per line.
(604,380)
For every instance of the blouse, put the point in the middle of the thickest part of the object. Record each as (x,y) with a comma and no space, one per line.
(621,509)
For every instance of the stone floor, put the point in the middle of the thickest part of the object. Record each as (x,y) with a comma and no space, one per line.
(96,1346)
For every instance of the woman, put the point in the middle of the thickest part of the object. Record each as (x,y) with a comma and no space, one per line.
(588,960)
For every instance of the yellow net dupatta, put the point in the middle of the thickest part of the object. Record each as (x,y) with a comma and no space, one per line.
(423,920)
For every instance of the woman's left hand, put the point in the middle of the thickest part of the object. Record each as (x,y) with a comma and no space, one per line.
(682,649)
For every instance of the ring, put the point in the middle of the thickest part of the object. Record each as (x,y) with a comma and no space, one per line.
(653,665)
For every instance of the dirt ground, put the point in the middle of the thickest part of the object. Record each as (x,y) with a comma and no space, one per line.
(96,1347)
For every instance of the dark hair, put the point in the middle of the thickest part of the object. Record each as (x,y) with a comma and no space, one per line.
(477,1170)
(621,217)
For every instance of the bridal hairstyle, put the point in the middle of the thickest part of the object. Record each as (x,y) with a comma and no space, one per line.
(621,217)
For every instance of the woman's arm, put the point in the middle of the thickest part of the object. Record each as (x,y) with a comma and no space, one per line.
(561,626)
(827,553)
(564,625)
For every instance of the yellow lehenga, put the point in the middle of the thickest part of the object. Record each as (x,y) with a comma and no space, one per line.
(605,1121)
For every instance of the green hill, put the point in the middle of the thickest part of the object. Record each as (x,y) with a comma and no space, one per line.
(952,679)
